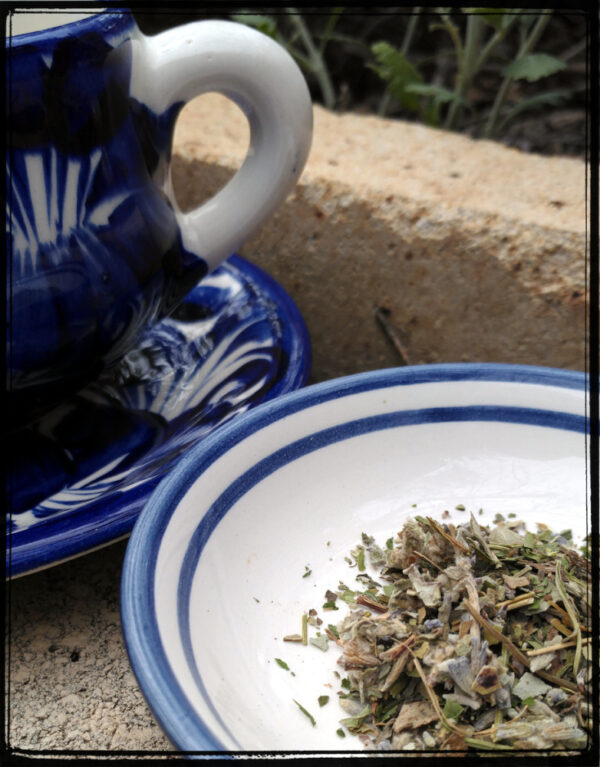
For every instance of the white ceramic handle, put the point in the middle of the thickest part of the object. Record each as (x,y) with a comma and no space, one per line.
(265,82)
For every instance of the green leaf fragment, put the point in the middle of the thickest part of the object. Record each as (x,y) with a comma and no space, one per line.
(534,66)
(452,710)
(320,641)
(323,700)
(353,722)
(340,732)
(305,712)
(348,596)
(334,630)
(282,663)
(360,559)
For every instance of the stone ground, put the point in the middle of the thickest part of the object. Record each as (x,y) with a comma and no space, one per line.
(476,251)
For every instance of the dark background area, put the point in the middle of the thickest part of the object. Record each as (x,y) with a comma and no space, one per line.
(552,129)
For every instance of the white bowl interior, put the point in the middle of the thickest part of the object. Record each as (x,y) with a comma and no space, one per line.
(245,533)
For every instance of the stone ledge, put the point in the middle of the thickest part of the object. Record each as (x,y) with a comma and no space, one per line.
(476,250)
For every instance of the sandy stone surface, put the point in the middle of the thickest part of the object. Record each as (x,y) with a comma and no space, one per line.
(476,251)
(70,683)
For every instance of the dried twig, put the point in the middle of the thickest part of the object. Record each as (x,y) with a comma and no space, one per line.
(553,647)
(439,529)
(497,634)
(380,314)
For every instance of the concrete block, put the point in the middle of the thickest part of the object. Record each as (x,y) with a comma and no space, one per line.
(477,251)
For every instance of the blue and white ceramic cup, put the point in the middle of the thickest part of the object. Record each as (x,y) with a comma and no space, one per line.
(97,246)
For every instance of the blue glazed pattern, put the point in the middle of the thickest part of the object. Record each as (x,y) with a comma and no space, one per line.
(143,639)
(95,251)
(79,476)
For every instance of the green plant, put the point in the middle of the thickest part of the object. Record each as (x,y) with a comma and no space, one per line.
(484,43)
(484,30)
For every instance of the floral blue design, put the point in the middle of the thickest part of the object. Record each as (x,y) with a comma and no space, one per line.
(95,251)
(80,474)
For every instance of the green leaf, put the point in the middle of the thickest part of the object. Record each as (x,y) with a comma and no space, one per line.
(533,67)
(305,712)
(340,732)
(264,24)
(393,67)
(440,96)
(283,664)
(321,642)
(334,630)
(360,558)
(323,700)
(389,712)
(389,544)
(452,710)
(348,596)
(354,722)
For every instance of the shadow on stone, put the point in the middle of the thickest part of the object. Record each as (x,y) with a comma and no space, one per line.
(455,290)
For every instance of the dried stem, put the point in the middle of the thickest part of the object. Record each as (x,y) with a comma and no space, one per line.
(572,616)
(490,628)
(439,529)
(553,647)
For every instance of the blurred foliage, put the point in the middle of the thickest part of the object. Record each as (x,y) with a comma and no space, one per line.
(474,70)
(475,34)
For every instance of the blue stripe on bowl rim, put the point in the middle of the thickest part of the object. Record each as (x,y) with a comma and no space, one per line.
(140,627)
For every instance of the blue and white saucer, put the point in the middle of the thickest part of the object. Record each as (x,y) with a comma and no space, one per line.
(79,476)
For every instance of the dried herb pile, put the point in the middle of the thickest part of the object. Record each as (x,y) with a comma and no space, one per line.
(467,637)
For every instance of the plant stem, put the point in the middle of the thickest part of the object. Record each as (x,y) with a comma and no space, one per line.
(452,30)
(406,43)
(526,48)
(493,42)
(467,68)
(331,22)
(317,65)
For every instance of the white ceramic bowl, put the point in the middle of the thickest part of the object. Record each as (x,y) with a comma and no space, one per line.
(213,576)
